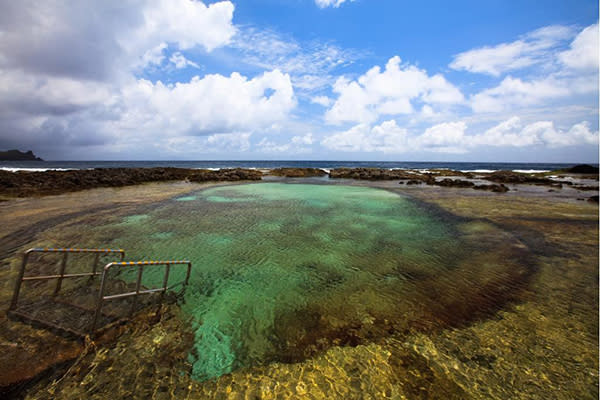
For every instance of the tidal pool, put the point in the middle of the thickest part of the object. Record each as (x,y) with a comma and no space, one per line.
(282,272)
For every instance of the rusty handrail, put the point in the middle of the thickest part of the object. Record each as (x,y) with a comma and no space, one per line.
(66,250)
(138,291)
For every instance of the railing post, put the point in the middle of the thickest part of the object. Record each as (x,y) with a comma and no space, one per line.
(166,280)
(15,298)
(63,266)
(138,284)
(96,259)
(100,299)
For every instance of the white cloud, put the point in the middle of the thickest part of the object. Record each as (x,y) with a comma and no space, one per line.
(303,140)
(390,92)
(267,146)
(447,137)
(387,137)
(533,48)
(310,64)
(514,92)
(330,3)
(184,23)
(583,54)
(321,100)
(206,105)
(511,133)
(452,138)
(180,62)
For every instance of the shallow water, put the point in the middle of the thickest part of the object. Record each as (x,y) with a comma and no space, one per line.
(283,272)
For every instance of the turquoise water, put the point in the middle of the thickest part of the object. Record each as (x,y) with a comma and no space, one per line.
(284,271)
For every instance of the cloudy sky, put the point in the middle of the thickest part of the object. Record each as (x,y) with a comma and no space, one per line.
(466,80)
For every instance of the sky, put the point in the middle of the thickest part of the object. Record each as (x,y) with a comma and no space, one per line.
(381,80)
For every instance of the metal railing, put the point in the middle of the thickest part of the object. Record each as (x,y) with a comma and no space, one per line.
(138,289)
(63,265)
(103,282)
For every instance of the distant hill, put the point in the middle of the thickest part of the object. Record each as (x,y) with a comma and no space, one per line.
(16,155)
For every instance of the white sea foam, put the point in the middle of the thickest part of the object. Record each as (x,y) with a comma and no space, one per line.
(479,171)
(530,171)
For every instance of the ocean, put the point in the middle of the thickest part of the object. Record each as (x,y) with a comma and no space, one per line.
(270,164)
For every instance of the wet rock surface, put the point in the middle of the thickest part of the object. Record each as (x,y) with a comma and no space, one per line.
(297,172)
(23,184)
(541,346)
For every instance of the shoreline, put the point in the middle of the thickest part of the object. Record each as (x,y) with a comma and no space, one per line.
(21,184)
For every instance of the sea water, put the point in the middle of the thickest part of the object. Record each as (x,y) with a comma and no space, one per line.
(282,271)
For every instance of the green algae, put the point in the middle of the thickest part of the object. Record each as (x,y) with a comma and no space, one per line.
(283,271)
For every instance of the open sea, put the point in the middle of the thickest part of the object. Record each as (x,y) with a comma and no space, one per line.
(269,164)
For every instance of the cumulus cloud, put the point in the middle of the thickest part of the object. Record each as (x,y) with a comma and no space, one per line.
(533,48)
(387,137)
(512,133)
(514,92)
(215,103)
(452,137)
(329,3)
(583,52)
(447,137)
(321,100)
(68,76)
(389,92)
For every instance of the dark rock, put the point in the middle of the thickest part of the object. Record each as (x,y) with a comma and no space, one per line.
(584,187)
(494,188)
(516,177)
(455,183)
(297,172)
(583,169)
(16,155)
(22,184)
(593,199)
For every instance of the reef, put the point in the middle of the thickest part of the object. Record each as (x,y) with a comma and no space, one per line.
(297,172)
(23,184)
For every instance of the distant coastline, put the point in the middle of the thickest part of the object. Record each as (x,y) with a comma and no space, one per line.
(326,165)
(16,155)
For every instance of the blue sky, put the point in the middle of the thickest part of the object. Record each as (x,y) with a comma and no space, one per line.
(301,79)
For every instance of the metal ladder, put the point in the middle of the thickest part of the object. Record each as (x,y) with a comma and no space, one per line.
(75,319)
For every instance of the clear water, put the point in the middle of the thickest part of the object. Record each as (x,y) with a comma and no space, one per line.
(282,272)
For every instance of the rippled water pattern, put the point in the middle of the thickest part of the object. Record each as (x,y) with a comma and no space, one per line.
(284,271)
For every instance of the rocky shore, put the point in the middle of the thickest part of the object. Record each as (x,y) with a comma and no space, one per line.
(24,184)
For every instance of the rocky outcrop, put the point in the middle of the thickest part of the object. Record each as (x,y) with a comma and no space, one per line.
(297,172)
(229,175)
(22,184)
(16,155)
(515,177)
(378,174)
(493,188)
(583,169)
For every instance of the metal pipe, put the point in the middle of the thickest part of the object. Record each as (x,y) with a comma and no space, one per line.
(15,298)
(45,277)
(166,280)
(100,299)
(96,259)
(63,266)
